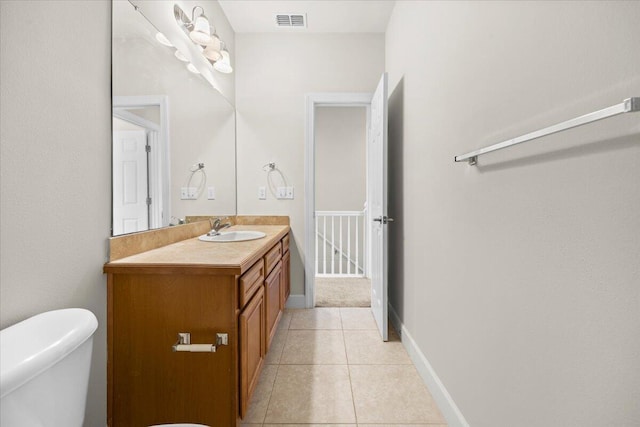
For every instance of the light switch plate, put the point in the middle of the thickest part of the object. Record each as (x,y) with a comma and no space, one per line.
(262,193)
(211,193)
(281,192)
(288,193)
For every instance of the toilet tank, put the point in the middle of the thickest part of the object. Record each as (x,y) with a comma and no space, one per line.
(44,369)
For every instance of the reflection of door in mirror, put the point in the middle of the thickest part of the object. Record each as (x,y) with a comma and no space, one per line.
(130,179)
(140,166)
(136,160)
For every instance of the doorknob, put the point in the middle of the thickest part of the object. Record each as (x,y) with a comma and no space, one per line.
(383,219)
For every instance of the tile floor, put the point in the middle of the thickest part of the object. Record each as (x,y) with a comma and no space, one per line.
(328,366)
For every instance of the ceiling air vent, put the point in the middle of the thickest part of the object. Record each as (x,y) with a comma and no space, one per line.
(295,20)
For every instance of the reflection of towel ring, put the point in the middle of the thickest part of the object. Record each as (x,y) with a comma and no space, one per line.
(269,168)
(198,167)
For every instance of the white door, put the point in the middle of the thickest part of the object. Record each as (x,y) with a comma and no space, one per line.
(130,188)
(377,200)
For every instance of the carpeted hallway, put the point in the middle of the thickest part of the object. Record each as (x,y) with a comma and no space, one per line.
(342,292)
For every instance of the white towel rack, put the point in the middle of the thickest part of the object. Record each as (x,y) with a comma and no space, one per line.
(629,105)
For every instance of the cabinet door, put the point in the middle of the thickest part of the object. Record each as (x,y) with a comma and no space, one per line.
(252,347)
(150,383)
(272,300)
(285,278)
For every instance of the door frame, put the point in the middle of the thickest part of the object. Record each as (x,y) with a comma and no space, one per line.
(313,100)
(159,166)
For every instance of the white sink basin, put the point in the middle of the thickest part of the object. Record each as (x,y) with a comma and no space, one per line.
(233,236)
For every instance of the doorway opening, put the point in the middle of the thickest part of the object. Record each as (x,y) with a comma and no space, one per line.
(375,214)
(341,278)
(337,219)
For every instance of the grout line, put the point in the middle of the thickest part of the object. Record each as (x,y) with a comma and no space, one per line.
(273,386)
(353,399)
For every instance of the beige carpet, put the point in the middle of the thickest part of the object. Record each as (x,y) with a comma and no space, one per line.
(342,292)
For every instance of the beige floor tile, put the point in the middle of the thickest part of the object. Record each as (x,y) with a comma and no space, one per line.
(277,345)
(391,394)
(312,425)
(314,347)
(400,425)
(367,348)
(357,318)
(311,394)
(261,395)
(317,318)
(285,321)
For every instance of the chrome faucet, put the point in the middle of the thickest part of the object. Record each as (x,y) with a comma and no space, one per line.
(217,225)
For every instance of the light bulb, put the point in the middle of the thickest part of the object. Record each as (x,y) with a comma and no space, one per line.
(162,39)
(201,32)
(224,64)
(212,51)
(192,68)
(181,56)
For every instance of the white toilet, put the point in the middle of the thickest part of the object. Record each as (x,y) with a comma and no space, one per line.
(44,369)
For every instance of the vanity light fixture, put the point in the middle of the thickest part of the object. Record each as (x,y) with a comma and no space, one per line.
(200,31)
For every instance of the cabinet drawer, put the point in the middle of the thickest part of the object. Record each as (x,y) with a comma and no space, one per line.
(285,244)
(250,282)
(272,257)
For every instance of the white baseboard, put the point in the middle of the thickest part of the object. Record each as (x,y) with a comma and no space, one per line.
(296,301)
(440,394)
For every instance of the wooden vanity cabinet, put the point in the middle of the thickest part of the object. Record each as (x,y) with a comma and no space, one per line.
(149,383)
(148,306)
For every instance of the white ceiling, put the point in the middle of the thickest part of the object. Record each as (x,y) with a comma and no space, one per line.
(323,16)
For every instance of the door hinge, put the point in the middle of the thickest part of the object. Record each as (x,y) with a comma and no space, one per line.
(148,201)
(147,148)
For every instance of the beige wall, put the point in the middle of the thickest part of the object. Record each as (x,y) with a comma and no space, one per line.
(518,278)
(340,140)
(55,121)
(274,72)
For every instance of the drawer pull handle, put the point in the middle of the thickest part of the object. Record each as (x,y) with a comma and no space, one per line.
(184,343)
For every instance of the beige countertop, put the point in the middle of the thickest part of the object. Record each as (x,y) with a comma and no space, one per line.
(202,257)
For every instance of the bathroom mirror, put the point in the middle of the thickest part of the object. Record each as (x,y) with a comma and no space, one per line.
(173,133)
